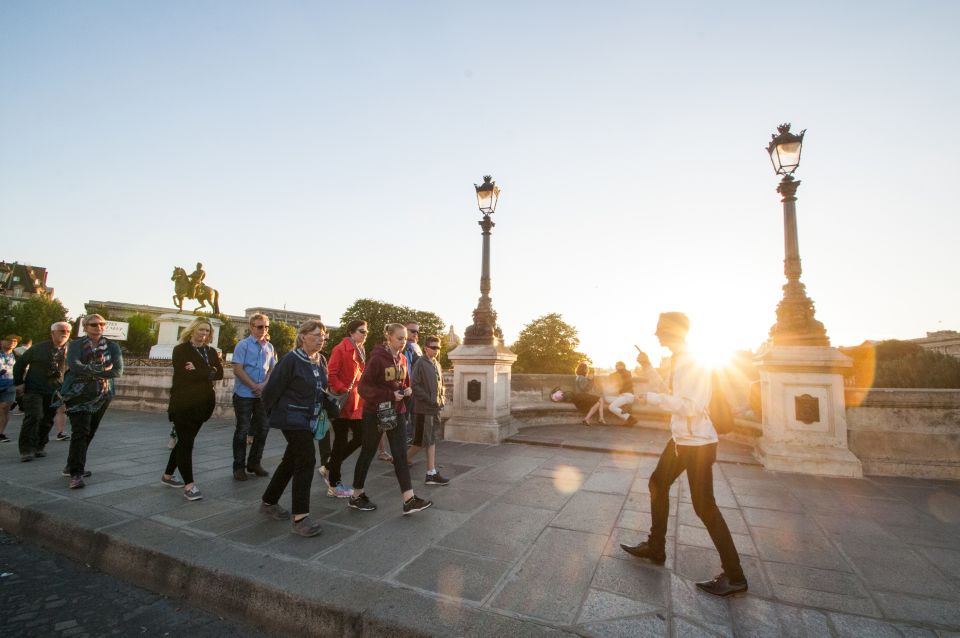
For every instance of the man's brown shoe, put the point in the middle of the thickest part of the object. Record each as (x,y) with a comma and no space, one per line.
(239,475)
(258,470)
(723,586)
(644,550)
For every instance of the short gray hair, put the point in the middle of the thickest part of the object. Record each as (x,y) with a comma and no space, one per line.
(53,326)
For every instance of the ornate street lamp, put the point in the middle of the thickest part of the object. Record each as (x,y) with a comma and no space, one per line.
(796,324)
(484,331)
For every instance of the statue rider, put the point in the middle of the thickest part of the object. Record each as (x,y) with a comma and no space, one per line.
(196,280)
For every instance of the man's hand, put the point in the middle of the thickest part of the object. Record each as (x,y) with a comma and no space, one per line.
(258,389)
(407,392)
(643,359)
(189,367)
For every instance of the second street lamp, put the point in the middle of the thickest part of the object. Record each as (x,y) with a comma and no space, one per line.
(796,324)
(484,327)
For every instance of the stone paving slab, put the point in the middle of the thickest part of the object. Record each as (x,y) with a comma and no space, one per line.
(524,541)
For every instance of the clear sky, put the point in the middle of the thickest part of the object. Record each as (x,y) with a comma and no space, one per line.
(310,153)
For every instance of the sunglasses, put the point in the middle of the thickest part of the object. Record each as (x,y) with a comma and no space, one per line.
(436,347)
(362,331)
(95,324)
(262,327)
(413,332)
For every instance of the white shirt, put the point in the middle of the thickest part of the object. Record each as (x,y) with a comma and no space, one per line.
(687,402)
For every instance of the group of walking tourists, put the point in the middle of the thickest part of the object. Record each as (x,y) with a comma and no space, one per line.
(393,391)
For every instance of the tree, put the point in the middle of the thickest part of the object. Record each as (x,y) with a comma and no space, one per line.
(228,335)
(548,345)
(377,314)
(140,334)
(31,319)
(901,364)
(283,336)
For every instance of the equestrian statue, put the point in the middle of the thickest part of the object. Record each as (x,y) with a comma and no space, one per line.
(192,287)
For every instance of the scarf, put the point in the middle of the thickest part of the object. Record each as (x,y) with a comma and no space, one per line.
(57,364)
(88,391)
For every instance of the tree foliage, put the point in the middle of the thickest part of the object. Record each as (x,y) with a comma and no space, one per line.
(547,345)
(377,314)
(30,318)
(283,336)
(229,336)
(140,334)
(902,364)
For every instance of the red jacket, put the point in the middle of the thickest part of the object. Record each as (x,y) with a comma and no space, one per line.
(344,370)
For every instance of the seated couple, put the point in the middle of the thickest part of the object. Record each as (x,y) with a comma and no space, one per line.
(589,396)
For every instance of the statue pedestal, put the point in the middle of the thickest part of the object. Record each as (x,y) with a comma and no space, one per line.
(481,394)
(804,414)
(170,326)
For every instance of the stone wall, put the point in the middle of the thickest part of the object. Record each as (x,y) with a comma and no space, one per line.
(148,389)
(905,432)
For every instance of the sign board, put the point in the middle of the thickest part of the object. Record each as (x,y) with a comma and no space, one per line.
(115,330)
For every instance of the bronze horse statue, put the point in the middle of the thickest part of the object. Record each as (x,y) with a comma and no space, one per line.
(186,289)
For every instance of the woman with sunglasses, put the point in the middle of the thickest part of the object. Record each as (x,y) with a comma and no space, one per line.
(346,366)
(383,386)
(93,362)
(196,366)
(295,398)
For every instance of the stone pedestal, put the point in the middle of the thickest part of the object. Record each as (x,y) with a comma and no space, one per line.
(804,415)
(170,326)
(481,394)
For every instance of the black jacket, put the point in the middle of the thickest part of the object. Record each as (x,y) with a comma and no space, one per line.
(33,369)
(191,395)
(291,392)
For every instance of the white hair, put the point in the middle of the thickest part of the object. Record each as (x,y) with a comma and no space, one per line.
(53,326)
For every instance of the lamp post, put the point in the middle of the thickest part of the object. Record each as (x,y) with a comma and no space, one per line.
(483,331)
(796,324)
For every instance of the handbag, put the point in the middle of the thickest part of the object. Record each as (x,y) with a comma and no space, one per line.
(320,426)
(386,416)
(338,399)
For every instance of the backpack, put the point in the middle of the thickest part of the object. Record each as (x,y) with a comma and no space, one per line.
(719,411)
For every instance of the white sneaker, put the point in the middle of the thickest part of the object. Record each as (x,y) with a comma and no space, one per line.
(324,474)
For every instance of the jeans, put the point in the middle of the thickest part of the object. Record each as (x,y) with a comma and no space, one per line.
(251,421)
(37,421)
(397,437)
(298,463)
(698,461)
(616,402)
(181,456)
(343,448)
(83,426)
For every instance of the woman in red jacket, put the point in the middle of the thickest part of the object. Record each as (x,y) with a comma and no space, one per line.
(345,367)
(383,386)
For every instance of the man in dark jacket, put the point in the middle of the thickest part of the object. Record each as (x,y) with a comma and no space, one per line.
(428,395)
(37,376)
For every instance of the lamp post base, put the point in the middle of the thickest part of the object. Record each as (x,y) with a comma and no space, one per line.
(481,395)
(804,411)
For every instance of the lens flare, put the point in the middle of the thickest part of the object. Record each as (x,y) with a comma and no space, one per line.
(567,479)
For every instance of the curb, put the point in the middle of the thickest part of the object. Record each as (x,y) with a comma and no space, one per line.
(242,584)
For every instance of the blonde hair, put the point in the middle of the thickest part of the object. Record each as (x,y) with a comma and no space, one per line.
(391,328)
(196,323)
(307,327)
(256,316)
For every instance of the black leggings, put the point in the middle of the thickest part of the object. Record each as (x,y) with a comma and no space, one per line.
(397,438)
(83,427)
(181,456)
(342,447)
(299,460)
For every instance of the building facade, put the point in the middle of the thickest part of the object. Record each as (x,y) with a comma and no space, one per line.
(19,282)
(942,341)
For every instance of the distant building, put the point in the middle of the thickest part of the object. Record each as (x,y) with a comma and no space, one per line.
(943,341)
(286,316)
(19,282)
(119,311)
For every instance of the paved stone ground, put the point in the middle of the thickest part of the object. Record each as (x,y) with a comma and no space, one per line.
(45,594)
(530,534)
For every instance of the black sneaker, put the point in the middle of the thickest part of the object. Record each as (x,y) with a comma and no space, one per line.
(66,472)
(415,504)
(4,438)
(363,503)
(436,479)
(645,550)
(63,436)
